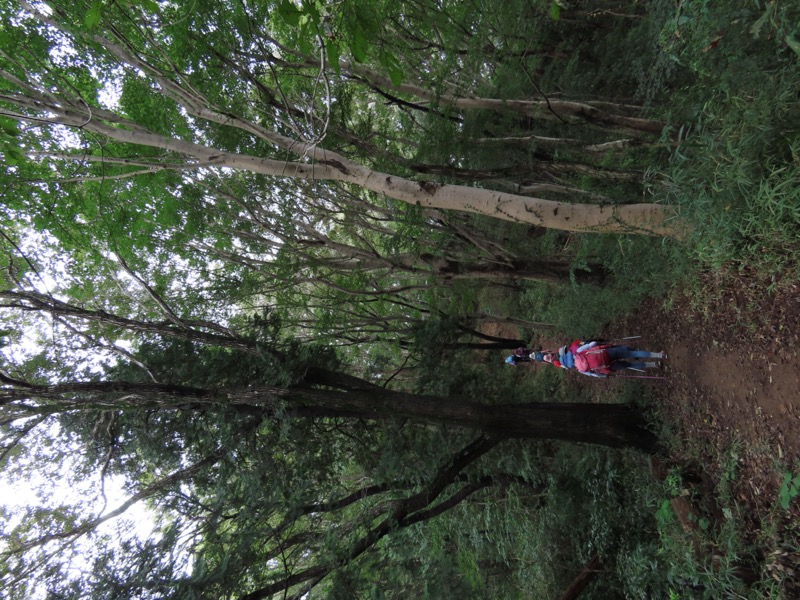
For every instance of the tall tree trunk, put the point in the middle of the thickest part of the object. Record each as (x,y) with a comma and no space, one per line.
(509,345)
(318,163)
(646,219)
(612,425)
(486,318)
(553,110)
(539,270)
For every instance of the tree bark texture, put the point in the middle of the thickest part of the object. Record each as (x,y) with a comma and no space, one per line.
(613,425)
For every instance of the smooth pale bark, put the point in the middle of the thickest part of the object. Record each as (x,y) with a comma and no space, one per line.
(531,189)
(543,270)
(543,109)
(649,219)
(38,105)
(550,109)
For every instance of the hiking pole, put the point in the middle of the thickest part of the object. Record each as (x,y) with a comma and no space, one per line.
(639,377)
(625,339)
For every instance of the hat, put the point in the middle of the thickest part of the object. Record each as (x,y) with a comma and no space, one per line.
(510,360)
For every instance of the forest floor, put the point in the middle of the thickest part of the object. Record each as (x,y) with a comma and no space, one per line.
(730,399)
(731,391)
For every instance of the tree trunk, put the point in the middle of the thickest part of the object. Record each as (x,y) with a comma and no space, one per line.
(554,110)
(613,425)
(584,578)
(538,270)
(486,318)
(510,345)
(319,163)
(645,219)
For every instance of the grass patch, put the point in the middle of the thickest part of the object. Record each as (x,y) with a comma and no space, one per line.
(736,174)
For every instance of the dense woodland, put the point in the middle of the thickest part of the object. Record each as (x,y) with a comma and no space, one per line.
(256,255)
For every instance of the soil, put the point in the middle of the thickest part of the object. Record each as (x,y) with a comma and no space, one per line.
(730,393)
(731,389)
(732,379)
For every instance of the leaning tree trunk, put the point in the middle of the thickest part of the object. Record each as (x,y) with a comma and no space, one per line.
(551,110)
(615,425)
(511,345)
(648,219)
(318,163)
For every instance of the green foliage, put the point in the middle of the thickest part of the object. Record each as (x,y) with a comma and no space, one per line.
(555,11)
(9,132)
(144,104)
(793,43)
(218,245)
(790,488)
(93,15)
(736,174)
(640,268)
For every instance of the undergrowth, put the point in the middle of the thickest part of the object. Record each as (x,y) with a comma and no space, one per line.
(725,74)
(736,172)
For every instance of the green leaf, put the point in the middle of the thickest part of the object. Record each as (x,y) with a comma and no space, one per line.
(93,15)
(310,8)
(359,45)
(333,51)
(13,156)
(305,37)
(9,126)
(169,212)
(555,11)
(793,43)
(289,13)
(392,65)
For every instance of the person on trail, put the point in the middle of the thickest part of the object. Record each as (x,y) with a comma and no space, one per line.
(598,359)
(564,358)
(521,355)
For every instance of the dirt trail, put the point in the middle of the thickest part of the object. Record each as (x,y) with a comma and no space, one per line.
(733,375)
(731,387)
(732,379)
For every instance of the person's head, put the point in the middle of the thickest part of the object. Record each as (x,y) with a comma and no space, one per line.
(510,360)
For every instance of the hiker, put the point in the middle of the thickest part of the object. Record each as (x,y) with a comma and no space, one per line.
(565,356)
(598,359)
(521,355)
